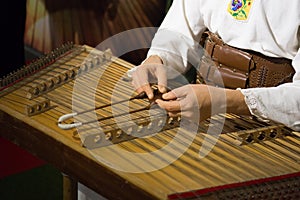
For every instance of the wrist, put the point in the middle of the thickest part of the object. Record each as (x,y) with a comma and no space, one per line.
(236,104)
(153,59)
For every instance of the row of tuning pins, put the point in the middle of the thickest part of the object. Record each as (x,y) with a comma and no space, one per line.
(118,135)
(34,66)
(94,60)
(144,129)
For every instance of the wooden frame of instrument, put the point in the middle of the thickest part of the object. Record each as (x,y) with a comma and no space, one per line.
(187,173)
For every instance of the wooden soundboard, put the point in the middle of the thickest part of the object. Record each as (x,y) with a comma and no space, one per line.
(119,159)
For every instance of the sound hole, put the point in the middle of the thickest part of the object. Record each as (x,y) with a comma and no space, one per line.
(119,133)
(38,107)
(58,80)
(273,133)
(51,83)
(64,76)
(150,126)
(43,87)
(108,136)
(36,91)
(140,128)
(129,131)
(71,74)
(97,138)
(261,135)
(45,105)
(96,60)
(160,123)
(249,138)
(31,110)
(171,121)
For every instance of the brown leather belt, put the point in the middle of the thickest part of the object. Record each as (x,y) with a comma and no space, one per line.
(241,68)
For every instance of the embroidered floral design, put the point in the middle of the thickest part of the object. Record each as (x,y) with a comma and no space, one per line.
(239,9)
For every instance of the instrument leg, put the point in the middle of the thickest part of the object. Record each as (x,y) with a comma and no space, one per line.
(69,188)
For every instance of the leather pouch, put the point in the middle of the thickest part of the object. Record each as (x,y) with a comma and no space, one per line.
(230,67)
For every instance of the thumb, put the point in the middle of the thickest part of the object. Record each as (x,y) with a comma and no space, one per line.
(177,93)
(169,96)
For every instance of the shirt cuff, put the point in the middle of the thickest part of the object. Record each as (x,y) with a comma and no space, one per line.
(255,106)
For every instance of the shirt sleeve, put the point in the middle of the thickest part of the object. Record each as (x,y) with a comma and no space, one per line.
(281,104)
(177,39)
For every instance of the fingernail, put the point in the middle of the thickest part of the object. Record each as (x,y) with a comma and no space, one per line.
(150,96)
(157,101)
(164,96)
(162,89)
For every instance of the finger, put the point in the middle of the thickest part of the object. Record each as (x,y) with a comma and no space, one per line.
(140,77)
(181,91)
(137,84)
(170,106)
(162,88)
(161,79)
(139,90)
(169,96)
(141,84)
(174,114)
(147,88)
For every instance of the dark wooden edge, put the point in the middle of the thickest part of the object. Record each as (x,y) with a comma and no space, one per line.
(69,161)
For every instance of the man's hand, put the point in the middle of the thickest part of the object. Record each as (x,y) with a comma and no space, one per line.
(151,71)
(198,102)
